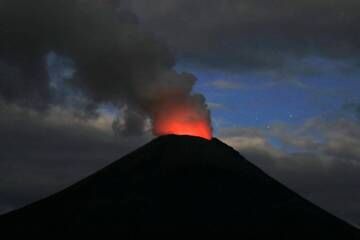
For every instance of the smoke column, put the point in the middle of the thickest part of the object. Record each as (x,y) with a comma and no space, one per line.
(115,62)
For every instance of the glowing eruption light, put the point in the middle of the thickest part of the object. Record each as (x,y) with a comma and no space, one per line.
(182,120)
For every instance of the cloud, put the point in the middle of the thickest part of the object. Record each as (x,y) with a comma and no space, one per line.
(26,85)
(130,123)
(256,35)
(214,105)
(335,139)
(225,85)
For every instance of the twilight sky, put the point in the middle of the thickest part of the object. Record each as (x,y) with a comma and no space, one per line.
(78,82)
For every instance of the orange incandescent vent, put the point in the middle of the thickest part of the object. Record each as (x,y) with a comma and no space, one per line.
(182,120)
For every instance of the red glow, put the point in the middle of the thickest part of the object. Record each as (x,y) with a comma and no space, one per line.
(182,121)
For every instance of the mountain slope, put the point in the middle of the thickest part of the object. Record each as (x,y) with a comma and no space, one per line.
(181,185)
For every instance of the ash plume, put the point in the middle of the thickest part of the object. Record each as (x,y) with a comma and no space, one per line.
(115,61)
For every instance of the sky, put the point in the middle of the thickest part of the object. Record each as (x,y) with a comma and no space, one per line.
(280,79)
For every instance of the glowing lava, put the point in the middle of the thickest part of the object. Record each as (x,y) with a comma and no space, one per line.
(182,120)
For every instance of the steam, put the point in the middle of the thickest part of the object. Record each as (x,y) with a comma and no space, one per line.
(115,60)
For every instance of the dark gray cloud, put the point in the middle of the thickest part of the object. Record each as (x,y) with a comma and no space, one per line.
(255,35)
(16,84)
(130,123)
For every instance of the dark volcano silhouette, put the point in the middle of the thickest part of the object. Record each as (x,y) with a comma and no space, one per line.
(177,187)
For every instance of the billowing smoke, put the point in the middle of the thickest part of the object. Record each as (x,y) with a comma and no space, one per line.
(115,61)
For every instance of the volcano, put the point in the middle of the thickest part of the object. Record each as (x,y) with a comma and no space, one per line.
(177,187)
